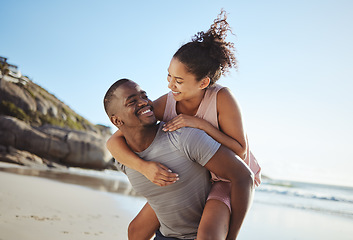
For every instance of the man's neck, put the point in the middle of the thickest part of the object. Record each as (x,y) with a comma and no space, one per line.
(139,139)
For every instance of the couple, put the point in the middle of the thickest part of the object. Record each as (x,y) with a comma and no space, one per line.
(195,101)
(188,151)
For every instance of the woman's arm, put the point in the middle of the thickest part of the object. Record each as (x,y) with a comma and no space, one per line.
(231,123)
(155,172)
(231,133)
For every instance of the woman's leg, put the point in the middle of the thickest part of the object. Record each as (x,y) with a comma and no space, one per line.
(214,222)
(144,225)
(215,218)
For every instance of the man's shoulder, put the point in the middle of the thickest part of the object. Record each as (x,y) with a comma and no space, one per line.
(186,136)
(196,144)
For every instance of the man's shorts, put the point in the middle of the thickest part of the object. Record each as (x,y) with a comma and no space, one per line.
(159,236)
(220,191)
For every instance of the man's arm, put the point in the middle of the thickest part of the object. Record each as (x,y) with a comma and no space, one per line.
(226,164)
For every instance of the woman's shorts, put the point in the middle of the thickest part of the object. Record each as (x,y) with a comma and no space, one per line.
(221,191)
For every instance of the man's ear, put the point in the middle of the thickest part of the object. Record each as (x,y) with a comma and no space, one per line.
(205,82)
(116,121)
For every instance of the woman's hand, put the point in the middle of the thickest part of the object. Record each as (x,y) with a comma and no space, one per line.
(184,121)
(159,174)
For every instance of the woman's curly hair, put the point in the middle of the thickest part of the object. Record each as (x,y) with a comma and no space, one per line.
(208,54)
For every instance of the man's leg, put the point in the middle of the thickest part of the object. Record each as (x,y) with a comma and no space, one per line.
(144,225)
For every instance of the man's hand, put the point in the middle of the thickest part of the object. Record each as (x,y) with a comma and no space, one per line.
(159,174)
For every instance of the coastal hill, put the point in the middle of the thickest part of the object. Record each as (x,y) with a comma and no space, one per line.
(36,128)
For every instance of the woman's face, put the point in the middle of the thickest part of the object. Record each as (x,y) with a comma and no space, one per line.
(182,83)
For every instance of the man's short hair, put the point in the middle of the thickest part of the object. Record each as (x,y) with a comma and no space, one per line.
(109,96)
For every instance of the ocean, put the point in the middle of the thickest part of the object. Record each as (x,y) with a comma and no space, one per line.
(321,198)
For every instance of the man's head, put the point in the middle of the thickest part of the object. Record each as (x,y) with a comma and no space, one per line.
(127,105)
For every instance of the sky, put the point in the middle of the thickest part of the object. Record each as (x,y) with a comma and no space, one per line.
(294,82)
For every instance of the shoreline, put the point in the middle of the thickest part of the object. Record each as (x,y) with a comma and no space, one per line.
(98,180)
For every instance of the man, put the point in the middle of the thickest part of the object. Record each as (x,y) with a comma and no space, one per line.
(189,152)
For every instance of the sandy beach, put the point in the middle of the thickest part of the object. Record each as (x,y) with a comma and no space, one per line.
(39,208)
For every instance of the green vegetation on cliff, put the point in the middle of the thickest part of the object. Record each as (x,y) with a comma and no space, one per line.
(9,108)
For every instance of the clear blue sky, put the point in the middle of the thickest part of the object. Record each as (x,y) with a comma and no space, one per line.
(294,81)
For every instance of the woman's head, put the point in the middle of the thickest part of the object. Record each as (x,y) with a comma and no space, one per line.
(183,83)
(208,54)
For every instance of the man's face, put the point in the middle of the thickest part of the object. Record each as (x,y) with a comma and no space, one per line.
(133,106)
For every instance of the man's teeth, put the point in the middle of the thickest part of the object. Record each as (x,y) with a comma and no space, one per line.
(146,111)
(175,92)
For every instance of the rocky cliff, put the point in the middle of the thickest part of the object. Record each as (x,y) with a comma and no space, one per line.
(38,129)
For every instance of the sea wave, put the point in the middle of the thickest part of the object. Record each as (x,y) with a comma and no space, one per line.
(330,199)
(305,194)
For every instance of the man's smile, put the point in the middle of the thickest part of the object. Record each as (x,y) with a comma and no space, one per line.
(147,111)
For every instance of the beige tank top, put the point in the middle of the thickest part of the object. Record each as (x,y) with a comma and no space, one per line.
(207,109)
